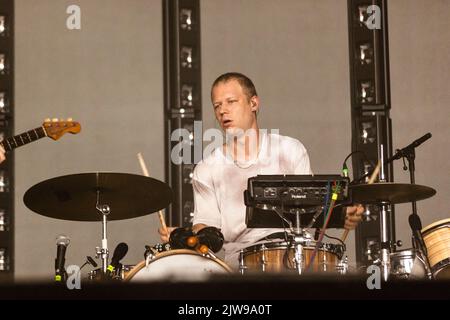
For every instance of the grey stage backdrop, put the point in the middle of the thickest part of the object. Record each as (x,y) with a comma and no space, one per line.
(108,76)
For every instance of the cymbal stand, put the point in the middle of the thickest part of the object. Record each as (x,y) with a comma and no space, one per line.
(103,252)
(385,241)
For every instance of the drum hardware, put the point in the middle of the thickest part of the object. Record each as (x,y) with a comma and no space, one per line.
(151,252)
(342,266)
(296,201)
(385,194)
(279,256)
(178,264)
(242,266)
(99,196)
(90,261)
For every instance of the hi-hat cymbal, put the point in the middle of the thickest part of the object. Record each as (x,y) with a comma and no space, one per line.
(390,192)
(74,197)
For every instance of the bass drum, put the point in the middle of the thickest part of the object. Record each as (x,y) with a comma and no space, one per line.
(180,264)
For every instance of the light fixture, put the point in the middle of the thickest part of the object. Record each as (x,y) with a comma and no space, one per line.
(368,132)
(188,173)
(362,14)
(186,57)
(4,185)
(186,19)
(366,91)
(188,212)
(3,262)
(3,103)
(3,222)
(2,25)
(2,63)
(365,54)
(187,95)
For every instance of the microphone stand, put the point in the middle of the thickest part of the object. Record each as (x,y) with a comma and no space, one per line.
(409,153)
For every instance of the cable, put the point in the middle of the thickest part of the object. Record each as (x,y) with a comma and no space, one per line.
(345,168)
(337,239)
(327,220)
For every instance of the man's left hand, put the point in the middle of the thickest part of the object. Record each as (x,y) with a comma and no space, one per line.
(353,216)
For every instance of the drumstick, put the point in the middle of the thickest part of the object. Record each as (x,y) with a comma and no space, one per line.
(371,180)
(145,172)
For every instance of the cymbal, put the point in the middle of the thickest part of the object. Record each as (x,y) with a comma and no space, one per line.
(74,197)
(390,192)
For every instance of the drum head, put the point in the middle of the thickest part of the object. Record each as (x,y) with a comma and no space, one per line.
(435,224)
(178,265)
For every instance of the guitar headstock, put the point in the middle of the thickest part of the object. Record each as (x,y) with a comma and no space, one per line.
(55,128)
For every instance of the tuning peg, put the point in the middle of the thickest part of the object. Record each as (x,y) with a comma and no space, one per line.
(55,120)
(69,119)
(47,120)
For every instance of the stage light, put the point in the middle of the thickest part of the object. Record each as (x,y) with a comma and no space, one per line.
(3,220)
(2,25)
(3,258)
(187,95)
(3,104)
(188,173)
(365,54)
(366,91)
(362,15)
(4,184)
(2,63)
(368,132)
(188,212)
(186,19)
(186,57)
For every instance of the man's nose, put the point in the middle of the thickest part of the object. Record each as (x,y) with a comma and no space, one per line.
(223,109)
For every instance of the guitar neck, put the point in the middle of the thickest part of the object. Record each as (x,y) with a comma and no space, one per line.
(22,139)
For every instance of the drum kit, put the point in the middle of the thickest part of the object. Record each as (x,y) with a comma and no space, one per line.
(104,197)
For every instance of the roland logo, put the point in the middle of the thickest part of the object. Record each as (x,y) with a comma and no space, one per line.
(298,196)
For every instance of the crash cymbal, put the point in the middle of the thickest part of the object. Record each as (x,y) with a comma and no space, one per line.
(74,197)
(390,192)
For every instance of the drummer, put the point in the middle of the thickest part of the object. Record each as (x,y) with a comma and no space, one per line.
(220,179)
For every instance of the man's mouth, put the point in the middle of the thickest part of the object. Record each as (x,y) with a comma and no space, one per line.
(226,122)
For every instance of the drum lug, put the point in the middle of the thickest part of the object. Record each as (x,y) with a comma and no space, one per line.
(342,266)
(242,266)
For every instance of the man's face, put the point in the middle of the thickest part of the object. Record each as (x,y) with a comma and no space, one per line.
(232,107)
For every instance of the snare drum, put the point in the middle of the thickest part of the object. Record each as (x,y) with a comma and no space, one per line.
(180,264)
(437,240)
(280,257)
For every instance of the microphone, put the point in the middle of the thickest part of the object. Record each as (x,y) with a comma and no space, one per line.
(119,252)
(61,245)
(91,261)
(416,227)
(399,154)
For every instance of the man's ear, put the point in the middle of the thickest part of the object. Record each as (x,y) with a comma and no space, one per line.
(254,102)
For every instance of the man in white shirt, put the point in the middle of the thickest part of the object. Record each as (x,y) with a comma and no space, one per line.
(220,178)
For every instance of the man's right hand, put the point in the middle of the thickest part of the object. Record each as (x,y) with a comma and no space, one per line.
(165,235)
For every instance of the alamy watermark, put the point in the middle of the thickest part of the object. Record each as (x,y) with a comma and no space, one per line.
(73,21)
(229,147)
